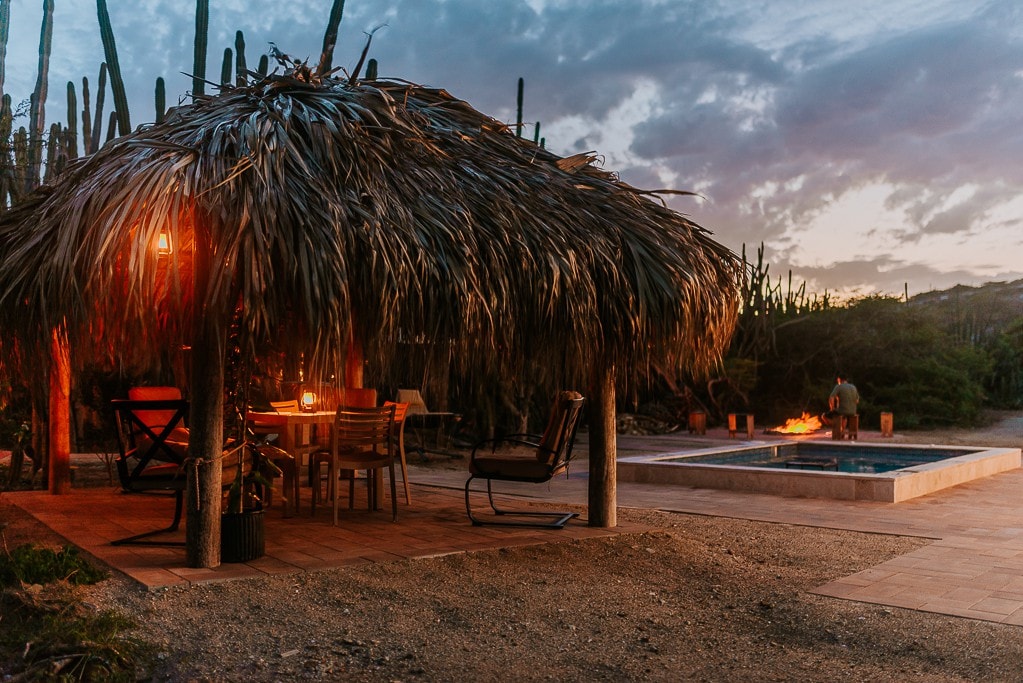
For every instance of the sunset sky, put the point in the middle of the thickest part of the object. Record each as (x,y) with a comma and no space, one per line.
(870,145)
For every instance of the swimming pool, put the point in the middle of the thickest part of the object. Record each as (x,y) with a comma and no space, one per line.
(845,471)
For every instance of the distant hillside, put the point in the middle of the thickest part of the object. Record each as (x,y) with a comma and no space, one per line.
(1008,292)
(975,313)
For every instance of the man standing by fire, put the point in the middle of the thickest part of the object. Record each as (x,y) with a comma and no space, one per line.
(843,400)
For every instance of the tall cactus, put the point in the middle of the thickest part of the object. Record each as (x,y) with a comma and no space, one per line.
(71,133)
(264,65)
(226,67)
(8,180)
(52,152)
(37,115)
(106,31)
(111,127)
(371,70)
(161,100)
(330,37)
(202,27)
(518,107)
(97,120)
(86,117)
(20,149)
(5,25)
(241,71)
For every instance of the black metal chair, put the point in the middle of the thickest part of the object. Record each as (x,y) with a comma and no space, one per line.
(149,461)
(549,456)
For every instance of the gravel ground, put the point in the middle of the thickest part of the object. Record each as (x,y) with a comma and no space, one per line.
(699,598)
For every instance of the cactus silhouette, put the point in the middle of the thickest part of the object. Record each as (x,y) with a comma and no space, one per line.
(202,27)
(161,99)
(106,31)
(37,114)
(330,37)
(70,139)
(97,120)
(226,67)
(518,108)
(241,76)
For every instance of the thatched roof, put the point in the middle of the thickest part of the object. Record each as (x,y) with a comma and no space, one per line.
(384,205)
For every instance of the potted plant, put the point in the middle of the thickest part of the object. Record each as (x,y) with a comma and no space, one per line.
(242,535)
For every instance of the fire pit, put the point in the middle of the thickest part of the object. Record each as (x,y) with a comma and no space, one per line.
(804,424)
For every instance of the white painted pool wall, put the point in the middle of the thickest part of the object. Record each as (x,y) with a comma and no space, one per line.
(888,487)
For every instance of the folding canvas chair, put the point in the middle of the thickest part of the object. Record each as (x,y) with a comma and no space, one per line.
(421,420)
(548,456)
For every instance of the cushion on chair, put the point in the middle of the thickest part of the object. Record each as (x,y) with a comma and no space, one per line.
(156,419)
(523,467)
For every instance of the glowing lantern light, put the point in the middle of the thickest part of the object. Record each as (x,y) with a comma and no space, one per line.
(163,245)
(308,401)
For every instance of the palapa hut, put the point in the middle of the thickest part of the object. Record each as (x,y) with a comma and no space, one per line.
(352,215)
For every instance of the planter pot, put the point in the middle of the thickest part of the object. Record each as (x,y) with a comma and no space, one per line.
(242,537)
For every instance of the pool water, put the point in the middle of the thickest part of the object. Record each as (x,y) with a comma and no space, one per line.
(824,457)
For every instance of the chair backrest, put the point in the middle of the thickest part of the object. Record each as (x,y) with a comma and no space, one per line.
(285,406)
(400,410)
(140,444)
(155,418)
(555,448)
(415,400)
(364,429)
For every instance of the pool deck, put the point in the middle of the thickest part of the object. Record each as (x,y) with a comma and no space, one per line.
(973,566)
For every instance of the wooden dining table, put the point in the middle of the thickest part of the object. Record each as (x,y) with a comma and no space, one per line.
(292,425)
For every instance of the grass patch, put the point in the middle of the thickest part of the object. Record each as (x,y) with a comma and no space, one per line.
(48,633)
(33,564)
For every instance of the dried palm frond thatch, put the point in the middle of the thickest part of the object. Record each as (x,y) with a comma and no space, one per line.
(383,208)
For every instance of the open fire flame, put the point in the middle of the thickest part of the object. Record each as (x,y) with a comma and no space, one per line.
(803,424)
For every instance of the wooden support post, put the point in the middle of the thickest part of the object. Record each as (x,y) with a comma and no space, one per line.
(203,466)
(603,485)
(59,472)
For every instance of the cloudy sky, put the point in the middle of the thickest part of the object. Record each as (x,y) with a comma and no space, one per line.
(869,145)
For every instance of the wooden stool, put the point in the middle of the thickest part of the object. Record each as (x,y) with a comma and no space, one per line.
(845,424)
(733,424)
(886,425)
(698,422)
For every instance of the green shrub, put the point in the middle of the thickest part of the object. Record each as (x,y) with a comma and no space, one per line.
(900,358)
